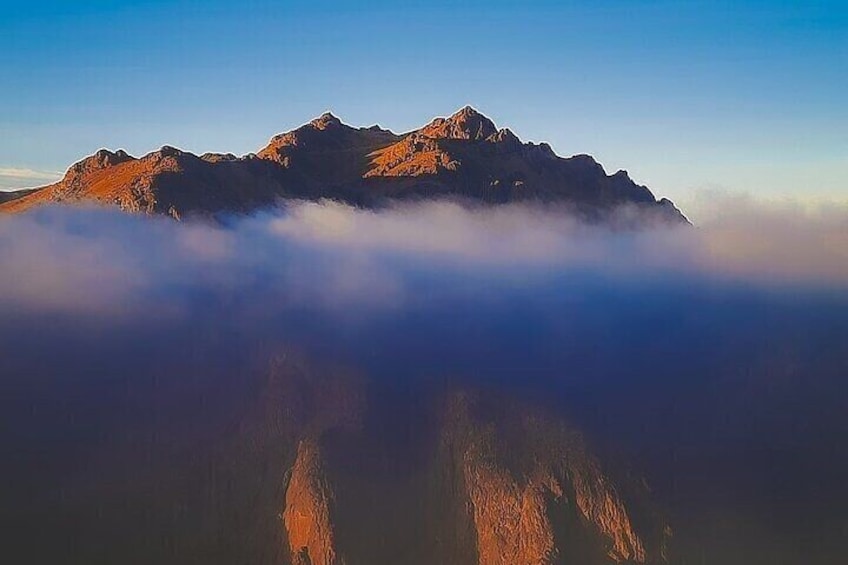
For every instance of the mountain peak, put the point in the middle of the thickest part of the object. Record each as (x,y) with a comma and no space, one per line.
(466,111)
(100,160)
(466,123)
(169,151)
(326,120)
(105,158)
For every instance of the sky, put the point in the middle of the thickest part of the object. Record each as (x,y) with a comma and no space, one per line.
(688,96)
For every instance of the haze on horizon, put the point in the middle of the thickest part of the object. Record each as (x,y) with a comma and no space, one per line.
(741,97)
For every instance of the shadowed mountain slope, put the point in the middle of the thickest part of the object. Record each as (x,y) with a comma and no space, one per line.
(14,194)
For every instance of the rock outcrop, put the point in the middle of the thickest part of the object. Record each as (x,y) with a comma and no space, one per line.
(460,477)
(462,156)
(307,516)
(467,124)
(536,494)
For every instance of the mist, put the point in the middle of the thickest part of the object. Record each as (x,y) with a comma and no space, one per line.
(709,358)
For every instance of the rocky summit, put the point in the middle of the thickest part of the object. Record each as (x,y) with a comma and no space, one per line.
(464,156)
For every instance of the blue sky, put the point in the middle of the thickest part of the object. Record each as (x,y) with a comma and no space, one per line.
(741,96)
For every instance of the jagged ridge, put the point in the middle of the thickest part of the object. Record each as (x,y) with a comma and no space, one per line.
(464,155)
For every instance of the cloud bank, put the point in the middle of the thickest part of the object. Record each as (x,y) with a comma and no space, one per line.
(101,261)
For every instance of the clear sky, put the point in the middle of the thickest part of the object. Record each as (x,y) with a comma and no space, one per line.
(744,96)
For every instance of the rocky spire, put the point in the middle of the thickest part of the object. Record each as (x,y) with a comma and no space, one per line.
(467,123)
(325,120)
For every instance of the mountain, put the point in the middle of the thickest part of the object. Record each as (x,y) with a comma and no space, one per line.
(463,156)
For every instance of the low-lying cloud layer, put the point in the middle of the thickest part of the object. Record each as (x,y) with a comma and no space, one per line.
(710,357)
(101,261)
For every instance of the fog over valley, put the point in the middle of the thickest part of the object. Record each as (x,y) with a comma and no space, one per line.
(218,390)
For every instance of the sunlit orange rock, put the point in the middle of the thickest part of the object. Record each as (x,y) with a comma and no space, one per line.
(536,494)
(308,516)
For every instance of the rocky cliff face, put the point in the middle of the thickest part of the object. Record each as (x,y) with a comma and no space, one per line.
(460,477)
(463,156)
(536,495)
(307,516)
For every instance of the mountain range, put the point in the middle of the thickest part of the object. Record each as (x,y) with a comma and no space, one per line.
(464,156)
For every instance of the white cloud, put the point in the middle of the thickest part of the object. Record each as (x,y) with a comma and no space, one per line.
(12,178)
(336,256)
(740,238)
